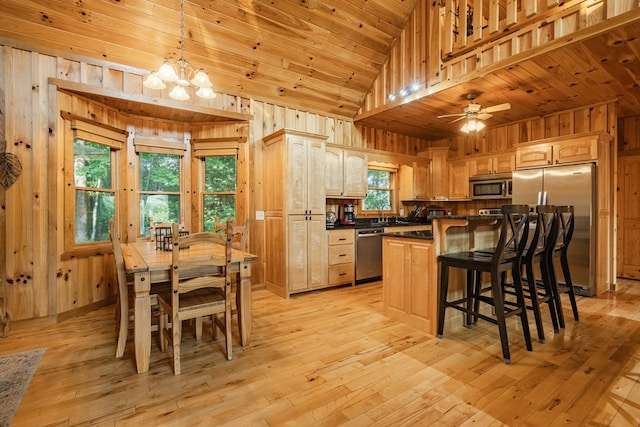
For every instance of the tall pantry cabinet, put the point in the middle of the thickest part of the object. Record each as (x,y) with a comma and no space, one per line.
(295,226)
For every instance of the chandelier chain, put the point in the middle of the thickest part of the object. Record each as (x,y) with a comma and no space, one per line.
(182,29)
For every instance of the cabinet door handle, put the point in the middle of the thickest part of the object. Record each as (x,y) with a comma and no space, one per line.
(343,274)
(342,238)
(342,255)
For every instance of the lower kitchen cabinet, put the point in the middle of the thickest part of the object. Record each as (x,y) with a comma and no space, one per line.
(341,257)
(409,282)
(306,267)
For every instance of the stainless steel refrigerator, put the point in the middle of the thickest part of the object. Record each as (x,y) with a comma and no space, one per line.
(566,185)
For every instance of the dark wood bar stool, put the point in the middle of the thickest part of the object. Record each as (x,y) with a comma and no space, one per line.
(539,253)
(506,256)
(566,219)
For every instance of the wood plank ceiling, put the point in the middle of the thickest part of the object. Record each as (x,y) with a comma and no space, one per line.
(322,56)
(309,54)
(598,69)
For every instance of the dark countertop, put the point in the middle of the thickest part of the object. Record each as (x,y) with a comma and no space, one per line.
(371,223)
(468,217)
(421,235)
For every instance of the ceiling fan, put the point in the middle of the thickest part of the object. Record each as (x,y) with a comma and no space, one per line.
(474,113)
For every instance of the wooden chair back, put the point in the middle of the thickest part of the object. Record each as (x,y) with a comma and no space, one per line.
(544,231)
(566,218)
(240,233)
(514,231)
(204,270)
(122,310)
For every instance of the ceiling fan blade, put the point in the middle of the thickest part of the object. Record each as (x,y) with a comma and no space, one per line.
(484,116)
(452,115)
(496,108)
(458,119)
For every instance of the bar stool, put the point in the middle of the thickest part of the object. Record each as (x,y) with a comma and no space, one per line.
(539,251)
(506,256)
(566,219)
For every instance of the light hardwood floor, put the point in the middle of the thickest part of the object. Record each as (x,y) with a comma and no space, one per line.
(332,358)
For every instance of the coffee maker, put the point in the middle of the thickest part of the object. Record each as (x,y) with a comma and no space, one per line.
(347,215)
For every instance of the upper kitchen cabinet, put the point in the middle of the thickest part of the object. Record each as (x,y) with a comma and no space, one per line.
(575,150)
(345,173)
(295,236)
(459,180)
(491,165)
(413,181)
(436,180)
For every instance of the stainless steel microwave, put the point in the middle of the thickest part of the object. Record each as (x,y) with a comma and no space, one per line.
(491,187)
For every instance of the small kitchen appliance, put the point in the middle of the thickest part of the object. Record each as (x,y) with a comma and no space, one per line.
(347,215)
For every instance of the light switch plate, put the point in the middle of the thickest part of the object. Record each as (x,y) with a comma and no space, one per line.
(259,215)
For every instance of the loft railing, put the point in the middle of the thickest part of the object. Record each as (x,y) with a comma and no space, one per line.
(477,33)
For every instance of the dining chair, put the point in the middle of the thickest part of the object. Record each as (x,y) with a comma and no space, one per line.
(240,235)
(505,257)
(124,296)
(200,286)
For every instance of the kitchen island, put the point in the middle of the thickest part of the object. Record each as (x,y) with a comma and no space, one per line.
(410,270)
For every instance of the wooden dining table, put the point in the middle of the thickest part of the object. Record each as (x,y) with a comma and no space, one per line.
(150,267)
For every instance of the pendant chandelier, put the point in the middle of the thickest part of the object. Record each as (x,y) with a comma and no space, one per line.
(181,74)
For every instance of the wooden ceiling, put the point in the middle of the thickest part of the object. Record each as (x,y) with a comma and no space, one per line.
(587,72)
(309,54)
(323,56)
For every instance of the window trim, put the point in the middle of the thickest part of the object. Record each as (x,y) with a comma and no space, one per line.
(215,152)
(140,148)
(98,133)
(392,190)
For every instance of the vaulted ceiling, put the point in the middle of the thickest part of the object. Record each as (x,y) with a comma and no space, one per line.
(322,56)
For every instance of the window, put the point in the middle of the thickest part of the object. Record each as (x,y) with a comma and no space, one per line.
(95,196)
(159,189)
(380,184)
(220,185)
(91,183)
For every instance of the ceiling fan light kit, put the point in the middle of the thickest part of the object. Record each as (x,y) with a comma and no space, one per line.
(472,125)
(475,114)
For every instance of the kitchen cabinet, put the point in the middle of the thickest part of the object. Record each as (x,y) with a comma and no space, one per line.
(345,173)
(439,173)
(294,204)
(490,165)
(341,256)
(413,181)
(410,282)
(576,150)
(459,180)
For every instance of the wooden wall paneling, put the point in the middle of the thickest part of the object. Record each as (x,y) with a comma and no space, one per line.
(4,320)
(62,272)
(565,124)
(42,66)
(67,285)
(537,129)
(630,139)
(551,126)
(600,117)
(19,237)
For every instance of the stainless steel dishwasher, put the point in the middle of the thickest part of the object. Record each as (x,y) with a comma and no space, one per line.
(369,254)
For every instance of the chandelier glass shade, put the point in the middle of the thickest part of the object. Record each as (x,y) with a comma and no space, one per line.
(181,74)
(472,125)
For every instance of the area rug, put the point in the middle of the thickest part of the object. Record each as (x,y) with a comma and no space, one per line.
(16,371)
